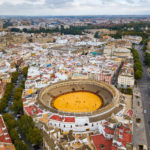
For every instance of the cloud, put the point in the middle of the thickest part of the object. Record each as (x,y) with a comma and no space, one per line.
(43,3)
(58,3)
(74,7)
(18,2)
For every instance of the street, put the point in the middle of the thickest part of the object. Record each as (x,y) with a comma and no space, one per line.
(144,85)
(7,110)
(10,102)
(138,128)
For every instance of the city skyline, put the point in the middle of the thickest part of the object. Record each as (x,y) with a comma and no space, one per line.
(74,74)
(74,7)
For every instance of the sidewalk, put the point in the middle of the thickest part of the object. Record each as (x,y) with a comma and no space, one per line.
(139,133)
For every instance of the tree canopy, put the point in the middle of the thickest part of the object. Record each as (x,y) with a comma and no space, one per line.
(27,127)
(138,71)
(147,59)
(25,71)
(5,98)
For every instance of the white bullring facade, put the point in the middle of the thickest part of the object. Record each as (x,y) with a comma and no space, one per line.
(80,122)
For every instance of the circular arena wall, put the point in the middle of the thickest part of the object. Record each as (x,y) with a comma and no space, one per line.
(107,94)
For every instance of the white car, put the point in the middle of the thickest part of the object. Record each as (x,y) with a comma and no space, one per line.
(145,111)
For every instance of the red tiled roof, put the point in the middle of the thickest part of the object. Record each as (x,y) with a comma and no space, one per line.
(106,123)
(130,113)
(69,119)
(114,148)
(24,99)
(99,140)
(126,135)
(56,117)
(2,87)
(33,110)
(4,136)
(109,130)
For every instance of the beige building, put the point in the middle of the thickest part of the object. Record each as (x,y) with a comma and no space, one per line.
(126,76)
(109,50)
(148,45)
(133,39)
(79,76)
(122,43)
(126,81)
(6,80)
(122,52)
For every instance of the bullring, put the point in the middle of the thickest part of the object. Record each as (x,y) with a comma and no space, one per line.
(106,103)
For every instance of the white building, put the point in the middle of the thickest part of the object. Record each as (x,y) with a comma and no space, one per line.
(126,76)
(133,39)
(125,81)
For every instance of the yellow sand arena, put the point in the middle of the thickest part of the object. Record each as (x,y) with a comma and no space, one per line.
(78,102)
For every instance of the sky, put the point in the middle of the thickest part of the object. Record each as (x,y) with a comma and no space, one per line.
(74,7)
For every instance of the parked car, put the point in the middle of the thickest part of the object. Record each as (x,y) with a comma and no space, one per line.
(35,147)
(18,116)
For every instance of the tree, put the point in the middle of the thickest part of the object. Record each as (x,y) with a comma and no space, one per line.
(30,40)
(96,35)
(15,30)
(10,121)
(3,105)
(17,106)
(20,145)
(23,84)
(27,127)
(25,30)
(138,65)
(25,123)
(138,71)
(14,135)
(62,29)
(118,35)
(147,59)
(138,74)
(127,91)
(34,136)
(25,71)
(18,93)
(14,76)
(7,95)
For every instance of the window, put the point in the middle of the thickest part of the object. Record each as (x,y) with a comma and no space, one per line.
(102,146)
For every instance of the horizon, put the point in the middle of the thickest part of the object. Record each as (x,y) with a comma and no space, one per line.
(73,7)
(119,15)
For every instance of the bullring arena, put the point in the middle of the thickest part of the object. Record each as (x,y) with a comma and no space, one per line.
(79,105)
(77,102)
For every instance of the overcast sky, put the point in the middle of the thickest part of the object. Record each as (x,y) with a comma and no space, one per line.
(74,7)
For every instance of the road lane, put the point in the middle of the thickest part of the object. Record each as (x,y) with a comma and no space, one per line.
(144,85)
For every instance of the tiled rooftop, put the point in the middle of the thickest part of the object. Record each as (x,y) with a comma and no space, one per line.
(33,110)
(56,117)
(101,143)
(4,136)
(69,119)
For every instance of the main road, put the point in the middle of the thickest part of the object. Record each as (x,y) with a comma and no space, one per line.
(144,85)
